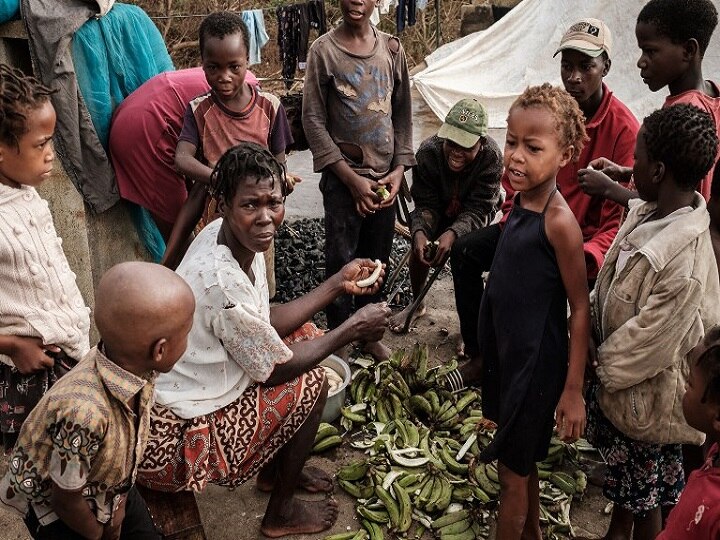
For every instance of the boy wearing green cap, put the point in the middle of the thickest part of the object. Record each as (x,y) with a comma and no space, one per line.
(456,188)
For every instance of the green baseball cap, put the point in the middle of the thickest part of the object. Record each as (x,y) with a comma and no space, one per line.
(466,122)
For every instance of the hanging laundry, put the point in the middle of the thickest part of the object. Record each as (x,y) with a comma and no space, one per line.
(405,9)
(385,5)
(316,13)
(375,17)
(293,31)
(422,4)
(255,22)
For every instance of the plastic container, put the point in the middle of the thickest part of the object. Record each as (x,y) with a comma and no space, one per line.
(336,399)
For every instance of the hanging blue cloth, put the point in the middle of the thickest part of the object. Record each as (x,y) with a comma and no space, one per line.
(255,22)
(114,55)
(9,10)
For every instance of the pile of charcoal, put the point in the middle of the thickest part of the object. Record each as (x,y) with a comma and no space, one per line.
(300,262)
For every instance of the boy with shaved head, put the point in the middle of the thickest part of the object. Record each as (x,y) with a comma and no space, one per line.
(73,468)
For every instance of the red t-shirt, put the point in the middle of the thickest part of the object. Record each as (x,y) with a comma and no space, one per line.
(611,132)
(697,514)
(710,105)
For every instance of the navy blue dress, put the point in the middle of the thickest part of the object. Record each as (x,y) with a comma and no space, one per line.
(523,339)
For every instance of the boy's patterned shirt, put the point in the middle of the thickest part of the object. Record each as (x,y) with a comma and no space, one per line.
(83,434)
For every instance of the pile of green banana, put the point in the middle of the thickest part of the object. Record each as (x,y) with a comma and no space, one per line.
(421,473)
(327,437)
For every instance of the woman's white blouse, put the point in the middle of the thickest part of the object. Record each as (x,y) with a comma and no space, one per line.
(231,344)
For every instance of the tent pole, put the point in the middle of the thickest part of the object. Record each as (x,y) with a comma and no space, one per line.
(437,24)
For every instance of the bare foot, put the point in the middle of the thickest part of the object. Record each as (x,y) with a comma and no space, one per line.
(377,349)
(460,347)
(471,372)
(397,321)
(312,480)
(301,517)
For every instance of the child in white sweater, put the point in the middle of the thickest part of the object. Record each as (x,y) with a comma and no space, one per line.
(44,323)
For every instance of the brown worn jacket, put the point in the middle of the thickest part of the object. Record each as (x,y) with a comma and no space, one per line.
(648,317)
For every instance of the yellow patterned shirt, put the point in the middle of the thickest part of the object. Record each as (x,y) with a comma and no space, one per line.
(83,434)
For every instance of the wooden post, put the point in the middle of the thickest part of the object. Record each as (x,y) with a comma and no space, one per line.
(175,515)
(437,24)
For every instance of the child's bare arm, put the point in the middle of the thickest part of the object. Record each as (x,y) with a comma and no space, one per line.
(72,508)
(187,219)
(565,236)
(188,165)
(27,353)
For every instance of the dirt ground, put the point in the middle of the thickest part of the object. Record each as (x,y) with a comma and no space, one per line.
(236,514)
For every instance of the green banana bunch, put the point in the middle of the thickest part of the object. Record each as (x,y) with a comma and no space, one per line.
(356,491)
(467,398)
(376,516)
(452,464)
(374,530)
(420,406)
(391,506)
(454,525)
(434,400)
(563,481)
(326,444)
(325,430)
(449,519)
(358,386)
(478,473)
(342,536)
(404,507)
(353,471)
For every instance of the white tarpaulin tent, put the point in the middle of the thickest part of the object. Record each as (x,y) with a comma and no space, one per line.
(497,64)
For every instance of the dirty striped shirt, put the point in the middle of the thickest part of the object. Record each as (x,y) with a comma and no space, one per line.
(214,129)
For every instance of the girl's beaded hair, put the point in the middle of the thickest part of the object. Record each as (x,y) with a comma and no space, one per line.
(19,93)
(247,159)
(569,119)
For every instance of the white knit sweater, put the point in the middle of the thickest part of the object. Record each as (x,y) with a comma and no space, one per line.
(38,293)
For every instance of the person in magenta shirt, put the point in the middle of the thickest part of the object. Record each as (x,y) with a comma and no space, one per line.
(697,514)
(143,137)
(673,37)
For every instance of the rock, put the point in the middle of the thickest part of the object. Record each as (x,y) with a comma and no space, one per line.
(300,263)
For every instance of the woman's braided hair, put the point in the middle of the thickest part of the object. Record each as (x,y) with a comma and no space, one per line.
(19,94)
(709,362)
(569,119)
(247,159)
(684,138)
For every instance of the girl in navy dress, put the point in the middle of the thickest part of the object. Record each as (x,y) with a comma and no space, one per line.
(532,372)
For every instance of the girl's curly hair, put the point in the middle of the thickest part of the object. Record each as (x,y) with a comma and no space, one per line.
(569,119)
(19,94)
(685,139)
